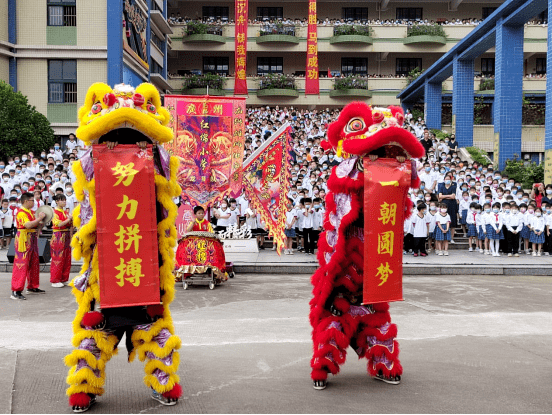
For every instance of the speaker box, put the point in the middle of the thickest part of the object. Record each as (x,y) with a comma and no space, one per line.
(43,251)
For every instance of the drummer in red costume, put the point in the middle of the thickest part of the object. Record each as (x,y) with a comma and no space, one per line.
(200,224)
(60,245)
(25,264)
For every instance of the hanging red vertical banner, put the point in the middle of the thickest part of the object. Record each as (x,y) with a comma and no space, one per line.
(240,53)
(312,86)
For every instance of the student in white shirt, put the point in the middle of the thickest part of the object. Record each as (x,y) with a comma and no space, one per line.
(318,219)
(234,212)
(494,229)
(472,229)
(291,218)
(223,215)
(420,229)
(308,222)
(514,225)
(431,216)
(463,209)
(7,223)
(442,230)
(537,225)
(528,213)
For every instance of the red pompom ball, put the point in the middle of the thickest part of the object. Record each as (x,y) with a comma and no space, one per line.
(109,99)
(79,399)
(92,319)
(377,116)
(174,393)
(138,100)
(155,310)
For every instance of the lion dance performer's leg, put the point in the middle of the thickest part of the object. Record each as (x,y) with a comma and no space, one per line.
(376,341)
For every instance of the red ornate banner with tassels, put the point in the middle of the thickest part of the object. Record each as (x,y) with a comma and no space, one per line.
(240,44)
(386,184)
(209,139)
(266,181)
(312,86)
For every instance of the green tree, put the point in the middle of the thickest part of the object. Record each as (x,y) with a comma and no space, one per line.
(22,127)
(525,172)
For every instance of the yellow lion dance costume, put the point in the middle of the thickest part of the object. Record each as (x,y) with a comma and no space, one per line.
(123,115)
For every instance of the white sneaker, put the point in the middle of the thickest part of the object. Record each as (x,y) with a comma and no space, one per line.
(547,253)
(510,254)
(539,253)
(446,253)
(487,252)
(290,252)
(440,253)
(452,241)
(534,254)
(470,250)
(274,247)
(58,285)
(481,251)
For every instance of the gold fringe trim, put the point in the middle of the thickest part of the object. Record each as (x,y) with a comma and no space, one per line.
(151,382)
(85,375)
(173,343)
(84,388)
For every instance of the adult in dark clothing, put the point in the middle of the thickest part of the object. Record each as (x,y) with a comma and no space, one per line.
(447,194)
(453,144)
(426,142)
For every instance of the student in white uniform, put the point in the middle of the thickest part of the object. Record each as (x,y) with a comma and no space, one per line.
(420,229)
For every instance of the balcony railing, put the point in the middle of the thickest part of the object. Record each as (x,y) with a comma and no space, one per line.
(203,29)
(277,29)
(352,30)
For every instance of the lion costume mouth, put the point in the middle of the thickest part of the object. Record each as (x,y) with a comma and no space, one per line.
(125,135)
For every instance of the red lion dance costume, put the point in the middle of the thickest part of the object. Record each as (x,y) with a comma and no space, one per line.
(337,315)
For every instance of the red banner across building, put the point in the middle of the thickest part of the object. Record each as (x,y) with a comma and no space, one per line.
(240,44)
(266,181)
(209,140)
(312,86)
(126,226)
(386,184)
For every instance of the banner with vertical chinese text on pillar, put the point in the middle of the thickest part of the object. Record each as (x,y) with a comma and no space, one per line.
(266,182)
(240,45)
(312,86)
(386,184)
(126,226)
(209,140)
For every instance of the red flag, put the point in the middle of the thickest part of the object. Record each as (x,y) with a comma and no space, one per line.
(266,180)
(312,86)
(329,73)
(209,140)
(240,48)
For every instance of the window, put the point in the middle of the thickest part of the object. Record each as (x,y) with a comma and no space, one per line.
(156,68)
(270,13)
(354,66)
(406,65)
(270,65)
(158,42)
(62,81)
(487,66)
(409,13)
(215,12)
(355,13)
(62,13)
(541,66)
(216,64)
(487,11)
(543,17)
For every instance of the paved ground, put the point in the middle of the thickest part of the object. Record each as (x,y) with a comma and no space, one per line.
(470,344)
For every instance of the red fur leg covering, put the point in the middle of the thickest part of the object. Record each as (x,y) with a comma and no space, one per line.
(330,341)
(377,340)
(79,399)
(174,393)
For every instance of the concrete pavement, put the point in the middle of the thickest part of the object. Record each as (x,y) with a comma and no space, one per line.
(469,344)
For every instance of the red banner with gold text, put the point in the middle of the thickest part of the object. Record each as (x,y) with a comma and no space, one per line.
(126,226)
(312,86)
(266,181)
(209,139)
(386,183)
(240,45)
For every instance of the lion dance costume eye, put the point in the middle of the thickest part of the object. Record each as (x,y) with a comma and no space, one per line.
(355,125)
(149,330)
